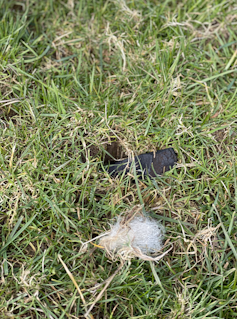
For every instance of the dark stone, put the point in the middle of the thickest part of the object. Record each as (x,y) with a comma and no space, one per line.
(149,164)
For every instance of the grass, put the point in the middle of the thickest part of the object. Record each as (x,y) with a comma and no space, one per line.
(151,74)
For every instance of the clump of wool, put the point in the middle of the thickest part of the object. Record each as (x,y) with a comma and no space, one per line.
(134,235)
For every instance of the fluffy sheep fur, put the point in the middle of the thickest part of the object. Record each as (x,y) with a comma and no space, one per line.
(137,235)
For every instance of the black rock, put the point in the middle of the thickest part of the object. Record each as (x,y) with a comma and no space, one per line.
(149,164)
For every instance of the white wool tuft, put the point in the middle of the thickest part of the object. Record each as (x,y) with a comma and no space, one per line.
(140,233)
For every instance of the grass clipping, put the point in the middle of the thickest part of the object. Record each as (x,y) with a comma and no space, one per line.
(134,235)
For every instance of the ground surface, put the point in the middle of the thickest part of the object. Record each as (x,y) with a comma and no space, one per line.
(151,75)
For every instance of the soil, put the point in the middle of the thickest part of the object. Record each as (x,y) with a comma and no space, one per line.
(109,152)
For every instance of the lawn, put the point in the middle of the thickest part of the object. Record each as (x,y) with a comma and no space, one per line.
(77,75)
